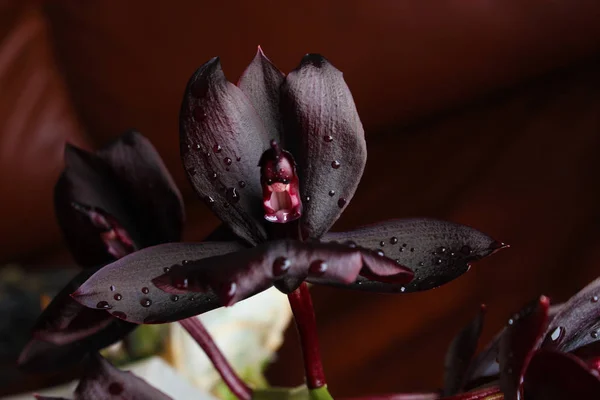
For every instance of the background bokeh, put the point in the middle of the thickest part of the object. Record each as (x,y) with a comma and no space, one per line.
(485,113)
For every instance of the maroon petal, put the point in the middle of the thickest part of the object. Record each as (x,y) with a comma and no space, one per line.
(459,355)
(236,276)
(154,201)
(577,324)
(399,396)
(517,345)
(103,381)
(559,376)
(222,138)
(261,83)
(488,393)
(90,209)
(437,251)
(139,300)
(325,135)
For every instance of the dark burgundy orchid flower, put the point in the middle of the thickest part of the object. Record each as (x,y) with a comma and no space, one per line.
(108,204)
(102,381)
(544,353)
(277,158)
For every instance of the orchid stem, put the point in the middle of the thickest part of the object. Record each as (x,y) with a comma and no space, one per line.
(197,330)
(304,315)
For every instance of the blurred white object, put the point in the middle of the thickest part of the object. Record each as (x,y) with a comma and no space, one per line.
(248,333)
(153,370)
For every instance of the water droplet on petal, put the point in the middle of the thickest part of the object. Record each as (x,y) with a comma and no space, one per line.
(104,305)
(594,299)
(217,148)
(401,249)
(350,244)
(145,290)
(511,321)
(438,261)
(242,184)
(332,192)
(421,264)
(382,243)
(227,161)
(232,195)
(117,297)
(146,302)
(307,199)
(209,200)
(594,334)
(174,297)
(403,289)
(112,288)
(213,175)
(412,249)
(238,158)
(120,314)
(228,291)
(317,268)
(281,265)
(380,253)
(394,240)
(328,138)
(557,334)
(341,202)
(335,164)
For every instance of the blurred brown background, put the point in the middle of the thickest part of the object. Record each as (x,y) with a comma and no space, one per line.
(485,113)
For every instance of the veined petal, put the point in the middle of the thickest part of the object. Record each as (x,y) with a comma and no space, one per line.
(140,301)
(222,138)
(154,201)
(436,251)
(261,83)
(518,344)
(325,135)
(239,275)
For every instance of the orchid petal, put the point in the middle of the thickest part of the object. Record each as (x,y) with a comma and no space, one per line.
(236,276)
(460,354)
(102,381)
(139,300)
(518,344)
(577,324)
(558,376)
(325,135)
(153,198)
(261,83)
(488,393)
(222,139)
(437,251)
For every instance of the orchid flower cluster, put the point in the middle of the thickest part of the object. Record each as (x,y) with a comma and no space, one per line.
(277,158)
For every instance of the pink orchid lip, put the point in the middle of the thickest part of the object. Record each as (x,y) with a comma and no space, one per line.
(281,202)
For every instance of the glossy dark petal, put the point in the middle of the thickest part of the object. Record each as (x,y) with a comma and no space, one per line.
(145,184)
(559,376)
(239,275)
(261,83)
(221,139)
(577,324)
(42,356)
(88,203)
(488,393)
(141,301)
(102,381)
(518,344)
(437,251)
(460,353)
(325,135)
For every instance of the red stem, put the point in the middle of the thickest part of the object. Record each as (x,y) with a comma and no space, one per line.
(197,330)
(304,315)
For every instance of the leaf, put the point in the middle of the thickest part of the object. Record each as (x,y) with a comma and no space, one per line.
(436,251)
(460,354)
(324,133)
(236,276)
(557,376)
(222,139)
(518,344)
(261,82)
(131,278)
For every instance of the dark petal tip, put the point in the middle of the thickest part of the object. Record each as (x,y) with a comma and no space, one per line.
(314,59)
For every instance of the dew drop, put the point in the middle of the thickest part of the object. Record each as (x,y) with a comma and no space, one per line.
(115,388)
(594,299)
(117,297)
(438,261)
(227,161)
(412,249)
(317,268)
(192,298)
(145,290)
(191,171)
(238,158)
(466,250)
(217,148)
(394,240)
(281,265)
(120,314)
(380,253)
(146,302)
(213,175)
(382,243)
(174,297)
(403,289)
(341,202)
(404,245)
(307,199)
(166,269)
(229,290)
(104,305)
(335,164)
(242,184)
(232,195)
(350,244)
(332,192)
(594,334)
(185,262)
(112,288)
(421,264)
(557,334)
(401,249)
(328,138)
(209,200)
(198,147)
(442,250)
(511,321)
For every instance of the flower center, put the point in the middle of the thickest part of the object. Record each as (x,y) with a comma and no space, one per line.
(281,189)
